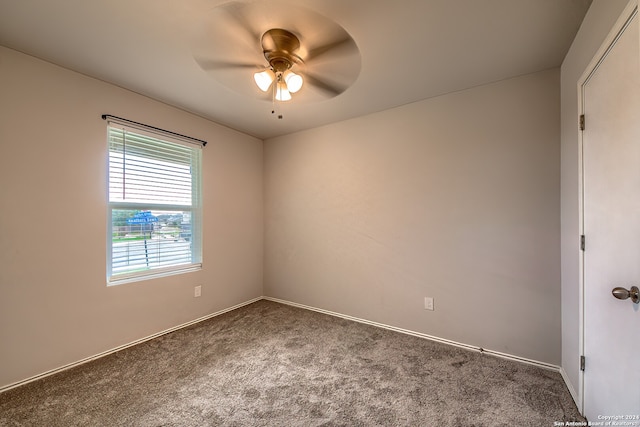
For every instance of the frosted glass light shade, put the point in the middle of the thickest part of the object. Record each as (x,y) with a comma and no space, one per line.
(282,93)
(294,81)
(264,79)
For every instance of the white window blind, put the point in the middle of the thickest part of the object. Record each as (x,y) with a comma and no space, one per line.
(154,203)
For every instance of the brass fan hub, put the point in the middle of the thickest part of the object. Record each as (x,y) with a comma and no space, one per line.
(280,47)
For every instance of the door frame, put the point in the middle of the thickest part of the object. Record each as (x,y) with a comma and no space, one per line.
(621,23)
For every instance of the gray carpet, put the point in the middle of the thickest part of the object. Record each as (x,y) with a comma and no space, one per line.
(268,364)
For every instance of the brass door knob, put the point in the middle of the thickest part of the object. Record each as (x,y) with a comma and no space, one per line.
(622,293)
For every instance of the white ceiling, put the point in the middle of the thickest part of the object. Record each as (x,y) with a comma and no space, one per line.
(409,50)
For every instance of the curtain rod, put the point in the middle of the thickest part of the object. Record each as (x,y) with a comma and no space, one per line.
(107,116)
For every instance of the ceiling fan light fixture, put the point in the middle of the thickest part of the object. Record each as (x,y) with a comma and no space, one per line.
(282,93)
(294,81)
(264,79)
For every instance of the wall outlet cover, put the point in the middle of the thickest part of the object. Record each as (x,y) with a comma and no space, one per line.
(428,303)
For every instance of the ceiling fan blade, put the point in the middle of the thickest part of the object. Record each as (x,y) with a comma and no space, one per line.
(211,64)
(236,11)
(342,46)
(331,88)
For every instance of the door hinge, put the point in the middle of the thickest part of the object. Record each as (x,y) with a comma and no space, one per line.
(582,242)
(581,121)
(582,363)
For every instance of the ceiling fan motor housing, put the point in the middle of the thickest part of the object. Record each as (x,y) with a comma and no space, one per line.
(280,47)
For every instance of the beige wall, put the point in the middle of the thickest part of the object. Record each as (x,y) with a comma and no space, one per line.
(596,25)
(55,307)
(455,198)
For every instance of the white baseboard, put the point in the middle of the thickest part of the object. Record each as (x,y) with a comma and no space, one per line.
(122,347)
(306,307)
(425,336)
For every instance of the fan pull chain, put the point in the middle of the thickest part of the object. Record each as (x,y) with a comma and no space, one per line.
(274,109)
(273,97)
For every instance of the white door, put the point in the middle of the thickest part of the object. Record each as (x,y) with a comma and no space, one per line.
(611,215)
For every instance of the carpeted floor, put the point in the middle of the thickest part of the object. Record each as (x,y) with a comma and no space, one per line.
(268,364)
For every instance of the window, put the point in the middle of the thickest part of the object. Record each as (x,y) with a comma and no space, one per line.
(154,203)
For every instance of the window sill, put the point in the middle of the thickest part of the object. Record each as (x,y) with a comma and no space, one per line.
(121,279)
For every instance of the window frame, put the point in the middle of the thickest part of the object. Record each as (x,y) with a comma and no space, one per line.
(195,208)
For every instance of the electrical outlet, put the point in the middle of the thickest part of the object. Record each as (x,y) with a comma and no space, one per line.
(197,291)
(428,303)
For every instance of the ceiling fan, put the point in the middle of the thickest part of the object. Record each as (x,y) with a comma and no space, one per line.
(280,49)
(306,53)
